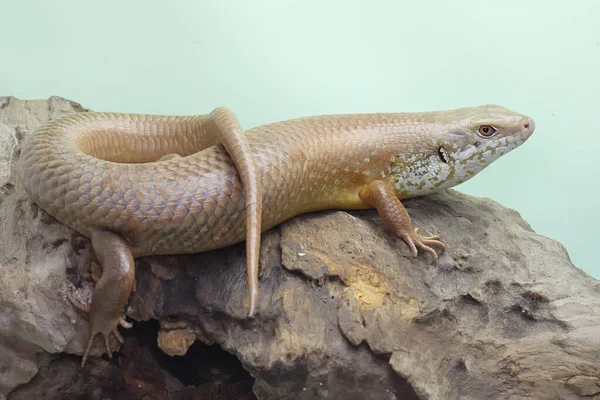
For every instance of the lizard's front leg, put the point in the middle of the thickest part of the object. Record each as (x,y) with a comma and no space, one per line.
(381,196)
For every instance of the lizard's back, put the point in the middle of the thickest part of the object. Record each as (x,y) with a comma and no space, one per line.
(99,170)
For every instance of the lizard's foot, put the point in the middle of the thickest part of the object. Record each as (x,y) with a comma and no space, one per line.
(380,195)
(415,240)
(105,328)
(113,286)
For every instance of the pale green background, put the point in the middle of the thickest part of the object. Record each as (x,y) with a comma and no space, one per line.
(272,60)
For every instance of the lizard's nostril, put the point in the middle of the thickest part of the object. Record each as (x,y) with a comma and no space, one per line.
(529,124)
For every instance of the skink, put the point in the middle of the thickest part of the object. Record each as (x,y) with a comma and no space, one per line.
(142,185)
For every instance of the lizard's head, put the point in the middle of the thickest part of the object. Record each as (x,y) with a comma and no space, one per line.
(461,143)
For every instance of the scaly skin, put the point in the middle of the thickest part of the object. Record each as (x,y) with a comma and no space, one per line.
(97,172)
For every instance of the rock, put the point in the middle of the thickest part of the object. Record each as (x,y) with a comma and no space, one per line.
(138,375)
(345,311)
(35,256)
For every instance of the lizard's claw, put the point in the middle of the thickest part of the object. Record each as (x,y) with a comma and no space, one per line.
(415,240)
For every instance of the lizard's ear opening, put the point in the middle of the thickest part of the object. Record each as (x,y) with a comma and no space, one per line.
(442,155)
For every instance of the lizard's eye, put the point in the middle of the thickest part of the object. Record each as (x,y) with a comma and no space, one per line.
(486,131)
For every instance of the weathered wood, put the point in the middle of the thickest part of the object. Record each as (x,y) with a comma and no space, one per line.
(345,311)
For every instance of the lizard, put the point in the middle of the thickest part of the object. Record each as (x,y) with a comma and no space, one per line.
(141,185)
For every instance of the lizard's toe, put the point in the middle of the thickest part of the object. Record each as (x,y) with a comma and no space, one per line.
(426,243)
